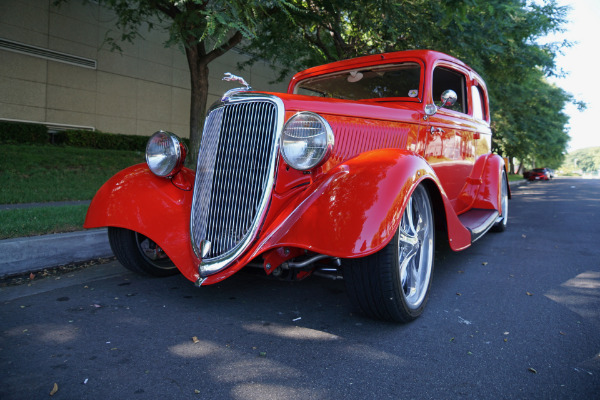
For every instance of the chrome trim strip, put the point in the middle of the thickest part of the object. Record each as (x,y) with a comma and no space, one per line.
(206,162)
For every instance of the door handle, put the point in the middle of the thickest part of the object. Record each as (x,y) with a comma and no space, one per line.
(433,130)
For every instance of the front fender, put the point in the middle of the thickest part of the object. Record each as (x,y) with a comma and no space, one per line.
(356,208)
(138,200)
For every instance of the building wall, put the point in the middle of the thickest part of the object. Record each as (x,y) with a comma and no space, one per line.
(138,91)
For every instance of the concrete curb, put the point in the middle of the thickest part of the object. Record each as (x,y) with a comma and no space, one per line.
(30,254)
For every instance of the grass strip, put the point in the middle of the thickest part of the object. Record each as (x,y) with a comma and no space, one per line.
(514,177)
(41,220)
(43,173)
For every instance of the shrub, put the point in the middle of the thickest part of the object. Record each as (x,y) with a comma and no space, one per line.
(100,140)
(20,132)
(24,133)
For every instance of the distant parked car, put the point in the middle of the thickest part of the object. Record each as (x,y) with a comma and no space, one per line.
(350,172)
(538,174)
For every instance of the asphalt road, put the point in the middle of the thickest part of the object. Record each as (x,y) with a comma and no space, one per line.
(517,315)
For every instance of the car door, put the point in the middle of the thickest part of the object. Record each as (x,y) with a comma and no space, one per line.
(450,148)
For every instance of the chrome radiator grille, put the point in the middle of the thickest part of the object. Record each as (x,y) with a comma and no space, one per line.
(235,168)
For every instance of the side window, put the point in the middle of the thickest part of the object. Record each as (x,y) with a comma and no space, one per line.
(478,104)
(447,79)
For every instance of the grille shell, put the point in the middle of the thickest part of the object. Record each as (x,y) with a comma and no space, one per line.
(234,177)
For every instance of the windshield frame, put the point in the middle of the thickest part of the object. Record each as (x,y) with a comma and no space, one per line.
(369,66)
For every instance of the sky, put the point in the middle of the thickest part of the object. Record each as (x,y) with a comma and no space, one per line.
(580,62)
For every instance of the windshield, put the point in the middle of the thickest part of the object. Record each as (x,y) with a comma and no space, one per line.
(398,80)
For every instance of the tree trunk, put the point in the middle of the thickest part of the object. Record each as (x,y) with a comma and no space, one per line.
(199,86)
(198,60)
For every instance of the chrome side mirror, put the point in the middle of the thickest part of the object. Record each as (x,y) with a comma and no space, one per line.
(449,97)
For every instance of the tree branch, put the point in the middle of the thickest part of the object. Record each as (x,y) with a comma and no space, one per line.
(318,43)
(219,51)
(167,8)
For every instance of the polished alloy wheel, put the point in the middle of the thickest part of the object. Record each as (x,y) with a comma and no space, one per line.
(415,248)
(500,225)
(393,284)
(152,253)
(139,254)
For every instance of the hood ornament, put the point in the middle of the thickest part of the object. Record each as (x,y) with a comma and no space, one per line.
(234,78)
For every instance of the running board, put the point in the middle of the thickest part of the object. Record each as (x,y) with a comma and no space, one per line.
(478,221)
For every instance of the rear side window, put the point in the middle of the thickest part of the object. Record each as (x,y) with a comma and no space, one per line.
(478,104)
(447,79)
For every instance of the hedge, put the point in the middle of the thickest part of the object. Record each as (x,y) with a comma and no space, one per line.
(100,140)
(20,133)
(17,132)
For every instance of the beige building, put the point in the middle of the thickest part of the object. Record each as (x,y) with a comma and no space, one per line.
(56,69)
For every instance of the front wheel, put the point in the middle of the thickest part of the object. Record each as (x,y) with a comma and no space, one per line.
(393,284)
(139,254)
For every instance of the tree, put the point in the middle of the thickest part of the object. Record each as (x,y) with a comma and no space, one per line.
(498,38)
(536,133)
(584,160)
(315,32)
(206,29)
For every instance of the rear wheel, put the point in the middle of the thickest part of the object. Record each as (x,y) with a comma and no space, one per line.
(500,226)
(393,284)
(139,254)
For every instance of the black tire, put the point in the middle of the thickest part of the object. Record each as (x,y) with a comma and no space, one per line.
(379,285)
(139,254)
(500,226)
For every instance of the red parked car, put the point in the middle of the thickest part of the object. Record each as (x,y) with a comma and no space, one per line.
(357,170)
(538,174)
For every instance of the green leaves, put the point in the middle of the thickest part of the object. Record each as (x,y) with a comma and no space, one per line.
(189,22)
(498,38)
(585,160)
(495,37)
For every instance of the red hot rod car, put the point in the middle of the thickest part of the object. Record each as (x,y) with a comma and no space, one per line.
(353,171)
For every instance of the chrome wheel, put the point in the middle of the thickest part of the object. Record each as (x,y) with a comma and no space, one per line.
(393,284)
(152,253)
(139,254)
(500,225)
(415,248)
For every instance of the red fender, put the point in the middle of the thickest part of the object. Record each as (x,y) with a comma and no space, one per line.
(138,200)
(488,196)
(375,186)
(468,194)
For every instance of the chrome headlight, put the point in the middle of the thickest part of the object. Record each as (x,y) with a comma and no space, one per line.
(306,141)
(165,154)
